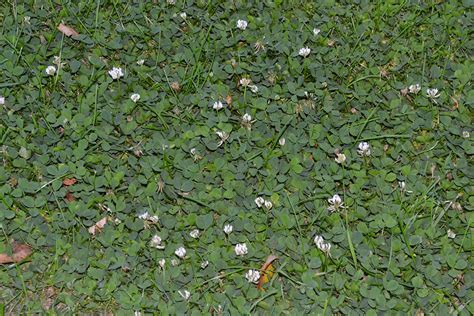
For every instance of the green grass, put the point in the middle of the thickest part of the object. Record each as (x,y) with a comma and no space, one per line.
(390,250)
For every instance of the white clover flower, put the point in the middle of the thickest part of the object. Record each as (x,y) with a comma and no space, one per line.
(183,15)
(414,88)
(402,185)
(140,62)
(116,73)
(162,263)
(245,82)
(340,158)
(223,136)
(282,141)
(180,252)
(154,219)
(321,244)
(252,276)
(451,234)
(228,229)
(174,262)
(242,24)
(241,249)
(144,216)
(135,97)
(171,1)
(156,242)
(217,105)
(316,31)
(268,205)
(50,70)
(2,100)
(432,93)
(246,118)
(253,88)
(185,294)
(304,52)
(204,264)
(364,149)
(259,201)
(117,221)
(57,62)
(194,233)
(137,313)
(465,134)
(335,203)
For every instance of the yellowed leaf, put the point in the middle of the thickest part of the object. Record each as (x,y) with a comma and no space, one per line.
(266,271)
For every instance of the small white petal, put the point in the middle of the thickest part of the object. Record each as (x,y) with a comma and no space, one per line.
(180,252)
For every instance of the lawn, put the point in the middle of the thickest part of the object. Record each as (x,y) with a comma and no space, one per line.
(236,157)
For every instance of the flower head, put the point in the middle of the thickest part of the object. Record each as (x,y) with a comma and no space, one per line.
(217,105)
(451,234)
(321,244)
(242,24)
(144,216)
(252,276)
(180,252)
(228,229)
(183,15)
(154,219)
(245,82)
(204,264)
(246,118)
(171,1)
(162,263)
(241,249)
(316,31)
(2,100)
(304,52)
(340,158)
(50,70)
(135,97)
(156,242)
(194,233)
(268,204)
(414,88)
(116,73)
(223,136)
(432,93)
(465,134)
(282,141)
(57,62)
(253,88)
(335,203)
(259,201)
(364,149)
(140,62)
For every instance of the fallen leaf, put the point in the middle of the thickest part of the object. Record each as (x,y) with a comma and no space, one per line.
(69,181)
(98,226)
(228,99)
(70,197)
(66,30)
(266,271)
(20,253)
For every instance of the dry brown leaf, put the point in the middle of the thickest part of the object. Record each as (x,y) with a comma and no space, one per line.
(66,30)
(266,271)
(69,181)
(70,197)
(20,253)
(97,226)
